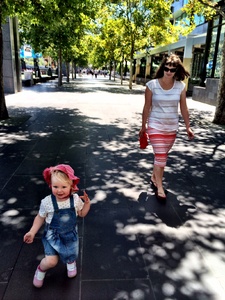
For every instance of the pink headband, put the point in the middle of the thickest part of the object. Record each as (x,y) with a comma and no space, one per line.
(47,173)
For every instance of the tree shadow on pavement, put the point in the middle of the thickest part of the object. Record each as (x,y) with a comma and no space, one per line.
(171,249)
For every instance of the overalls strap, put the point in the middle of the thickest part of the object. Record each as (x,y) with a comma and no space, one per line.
(71,201)
(54,202)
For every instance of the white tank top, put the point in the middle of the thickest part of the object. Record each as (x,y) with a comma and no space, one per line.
(164,114)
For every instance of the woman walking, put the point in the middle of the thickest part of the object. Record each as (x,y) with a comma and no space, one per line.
(163,94)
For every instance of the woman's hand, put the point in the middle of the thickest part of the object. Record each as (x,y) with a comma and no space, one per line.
(190,133)
(142,131)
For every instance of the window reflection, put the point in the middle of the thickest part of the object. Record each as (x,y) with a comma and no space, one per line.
(219,55)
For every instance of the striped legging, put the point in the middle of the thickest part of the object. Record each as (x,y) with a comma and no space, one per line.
(162,142)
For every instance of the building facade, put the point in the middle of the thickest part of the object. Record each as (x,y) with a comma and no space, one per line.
(11,61)
(200,51)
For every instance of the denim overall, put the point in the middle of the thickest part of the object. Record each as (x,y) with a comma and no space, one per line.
(60,236)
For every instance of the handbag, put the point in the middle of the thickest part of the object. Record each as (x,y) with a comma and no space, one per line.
(143,140)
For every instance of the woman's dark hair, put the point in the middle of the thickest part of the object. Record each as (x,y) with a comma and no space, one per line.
(172,61)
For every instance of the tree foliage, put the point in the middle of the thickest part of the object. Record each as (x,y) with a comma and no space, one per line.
(63,27)
(48,25)
(124,28)
(143,22)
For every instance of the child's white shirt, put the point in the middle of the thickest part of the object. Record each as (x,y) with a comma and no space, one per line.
(46,209)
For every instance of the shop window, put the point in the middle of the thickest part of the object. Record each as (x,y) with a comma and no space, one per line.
(216,21)
(196,64)
(209,65)
(219,55)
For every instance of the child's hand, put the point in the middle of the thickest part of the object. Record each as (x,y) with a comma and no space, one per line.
(28,237)
(85,198)
(86,207)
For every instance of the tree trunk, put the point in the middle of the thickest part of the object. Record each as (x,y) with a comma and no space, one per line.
(3,109)
(110,70)
(67,72)
(121,72)
(72,70)
(114,70)
(75,68)
(131,65)
(131,74)
(219,117)
(60,68)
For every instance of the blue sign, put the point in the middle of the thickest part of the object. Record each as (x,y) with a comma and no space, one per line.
(27,52)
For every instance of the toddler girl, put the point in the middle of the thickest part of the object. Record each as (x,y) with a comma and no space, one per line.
(59,212)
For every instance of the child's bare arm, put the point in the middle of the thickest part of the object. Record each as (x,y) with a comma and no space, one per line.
(29,236)
(87,203)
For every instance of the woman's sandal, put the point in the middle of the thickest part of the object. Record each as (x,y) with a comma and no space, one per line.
(153,185)
(157,194)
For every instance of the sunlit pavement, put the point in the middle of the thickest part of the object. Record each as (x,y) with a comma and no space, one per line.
(131,245)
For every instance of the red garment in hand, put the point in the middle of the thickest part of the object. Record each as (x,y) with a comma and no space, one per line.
(143,141)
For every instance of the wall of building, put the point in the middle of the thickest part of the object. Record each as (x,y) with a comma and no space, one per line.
(11,61)
(207,94)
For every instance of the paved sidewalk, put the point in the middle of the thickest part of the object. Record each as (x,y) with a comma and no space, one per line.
(132,247)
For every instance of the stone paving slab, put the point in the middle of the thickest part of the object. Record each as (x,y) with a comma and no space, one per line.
(131,246)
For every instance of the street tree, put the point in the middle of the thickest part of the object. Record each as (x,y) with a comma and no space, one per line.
(96,40)
(145,23)
(12,8)
(69,20)
(112,41)
(54,24)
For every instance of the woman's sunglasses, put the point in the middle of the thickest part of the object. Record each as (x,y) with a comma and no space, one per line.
(172,70)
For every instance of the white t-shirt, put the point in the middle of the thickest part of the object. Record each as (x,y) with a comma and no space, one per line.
(164,114)
(46,209)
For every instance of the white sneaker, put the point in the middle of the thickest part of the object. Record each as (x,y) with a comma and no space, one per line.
(71,269)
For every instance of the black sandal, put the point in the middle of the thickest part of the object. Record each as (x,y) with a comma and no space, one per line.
(162,198)
(153,185)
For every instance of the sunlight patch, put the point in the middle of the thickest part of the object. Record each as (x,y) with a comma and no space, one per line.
(168,289)
(10,213)
(129,192)
(12,138)
(12,200)
(100,196)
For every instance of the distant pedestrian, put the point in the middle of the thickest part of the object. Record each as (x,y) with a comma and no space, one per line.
(160,112)
(59,212)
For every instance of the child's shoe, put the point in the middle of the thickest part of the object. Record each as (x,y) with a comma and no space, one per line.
(39,277)
(71,269)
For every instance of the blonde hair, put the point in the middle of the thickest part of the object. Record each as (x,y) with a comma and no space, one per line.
(61,177)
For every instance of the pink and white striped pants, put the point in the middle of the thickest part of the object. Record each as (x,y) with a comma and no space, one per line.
(162,142)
